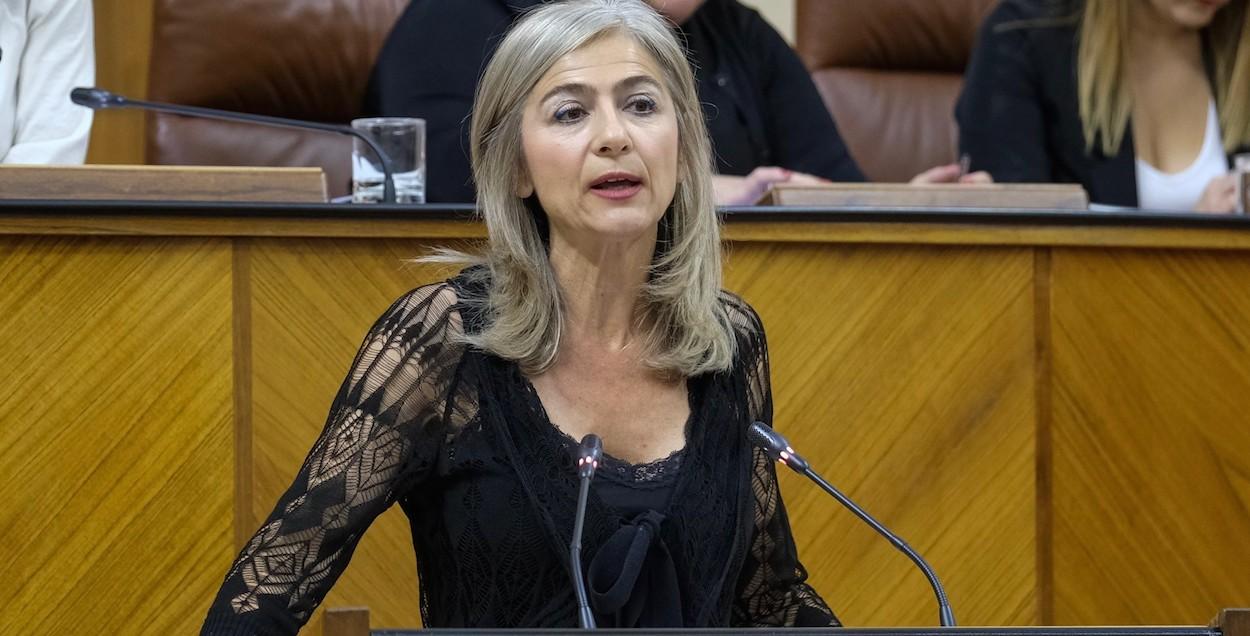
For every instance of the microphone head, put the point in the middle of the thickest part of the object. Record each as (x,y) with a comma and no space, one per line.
(589,454)
(768,440)
(773,443)
(96,98)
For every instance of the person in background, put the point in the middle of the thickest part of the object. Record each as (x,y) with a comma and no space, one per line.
(46,49)
(596,307)
(767,120)
(1142,102)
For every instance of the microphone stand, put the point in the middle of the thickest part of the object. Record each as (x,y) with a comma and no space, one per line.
(100,99)
(947,616)
(780,450)
(588,455)
(584,616)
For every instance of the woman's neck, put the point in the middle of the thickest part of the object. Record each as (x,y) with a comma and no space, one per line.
(1162,54)
(1153,36)
(601,284)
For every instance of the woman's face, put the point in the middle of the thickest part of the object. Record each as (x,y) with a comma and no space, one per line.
(1189,14)
(599,138)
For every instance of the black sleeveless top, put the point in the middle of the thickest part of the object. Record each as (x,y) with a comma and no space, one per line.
(459,439)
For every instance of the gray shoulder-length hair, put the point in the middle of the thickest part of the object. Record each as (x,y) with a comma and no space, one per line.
(684,326)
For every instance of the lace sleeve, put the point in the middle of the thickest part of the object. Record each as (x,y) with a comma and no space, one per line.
(772,589)
(381,437)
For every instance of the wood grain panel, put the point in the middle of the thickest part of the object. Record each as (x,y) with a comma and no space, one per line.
(903,366)
(1152,474)
(906,374)
(1044,437)
(123,46)
(115,433)
(313,302)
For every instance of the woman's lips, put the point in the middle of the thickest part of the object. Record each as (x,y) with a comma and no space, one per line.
(617,190)
(616,185)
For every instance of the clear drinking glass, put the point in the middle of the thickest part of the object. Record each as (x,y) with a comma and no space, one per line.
(1241,170)
(403,140)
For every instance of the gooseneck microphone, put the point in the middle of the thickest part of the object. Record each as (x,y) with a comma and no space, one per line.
(771,442)
(100,99)
(589,453)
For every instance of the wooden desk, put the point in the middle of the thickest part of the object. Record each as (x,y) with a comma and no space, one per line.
(1052,408)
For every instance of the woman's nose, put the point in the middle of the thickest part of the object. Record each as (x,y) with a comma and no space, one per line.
(612,138)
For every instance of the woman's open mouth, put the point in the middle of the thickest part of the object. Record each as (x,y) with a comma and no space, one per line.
(616,186)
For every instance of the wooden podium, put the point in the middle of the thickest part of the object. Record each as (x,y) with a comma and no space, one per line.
(354,621)
(1051,406)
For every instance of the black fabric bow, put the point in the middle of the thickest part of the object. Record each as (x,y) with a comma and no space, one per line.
(632,579)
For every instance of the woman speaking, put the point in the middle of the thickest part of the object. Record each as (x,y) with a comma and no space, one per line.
(596,307)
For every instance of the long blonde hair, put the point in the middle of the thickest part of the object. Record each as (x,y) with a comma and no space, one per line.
(1102,59)
(684,325)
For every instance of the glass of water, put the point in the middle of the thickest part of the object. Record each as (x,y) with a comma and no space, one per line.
(403,140)
(1241,171)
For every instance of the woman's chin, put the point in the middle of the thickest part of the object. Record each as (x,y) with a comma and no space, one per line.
(1197,17)
(626,223)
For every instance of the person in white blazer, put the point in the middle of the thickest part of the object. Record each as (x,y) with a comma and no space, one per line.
(47,47)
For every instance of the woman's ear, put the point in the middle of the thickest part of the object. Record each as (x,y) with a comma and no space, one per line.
(524,187)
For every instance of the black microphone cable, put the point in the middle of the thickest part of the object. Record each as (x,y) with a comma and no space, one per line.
(772,442)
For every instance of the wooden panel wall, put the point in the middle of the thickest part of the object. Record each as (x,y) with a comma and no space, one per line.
(117,433)
(906,375)
(1151,443)
(312,302)
(1060,431)
(123,46)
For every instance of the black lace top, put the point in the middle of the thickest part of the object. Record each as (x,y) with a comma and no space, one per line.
(459,439)
(632,489)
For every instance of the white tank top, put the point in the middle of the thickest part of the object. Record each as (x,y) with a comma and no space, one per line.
(1158,190)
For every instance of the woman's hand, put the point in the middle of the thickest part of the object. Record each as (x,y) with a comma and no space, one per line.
(747,190)
(1220,196)
(950,173)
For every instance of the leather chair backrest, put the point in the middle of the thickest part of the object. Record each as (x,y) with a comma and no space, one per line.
(889,72)
(304,59)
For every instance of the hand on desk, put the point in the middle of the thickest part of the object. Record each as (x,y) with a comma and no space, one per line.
(731,190)
(950,173)
(1220,196)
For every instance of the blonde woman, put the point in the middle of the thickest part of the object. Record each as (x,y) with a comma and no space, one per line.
(596,308)
(1142,102)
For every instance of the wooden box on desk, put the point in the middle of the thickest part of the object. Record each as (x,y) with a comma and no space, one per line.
(1032,196)
(164,183)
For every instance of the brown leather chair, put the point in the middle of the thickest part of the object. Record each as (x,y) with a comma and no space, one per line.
(889,72)
(305,60)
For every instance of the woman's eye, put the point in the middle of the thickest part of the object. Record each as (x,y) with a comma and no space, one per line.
(570,113)
(641,104)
